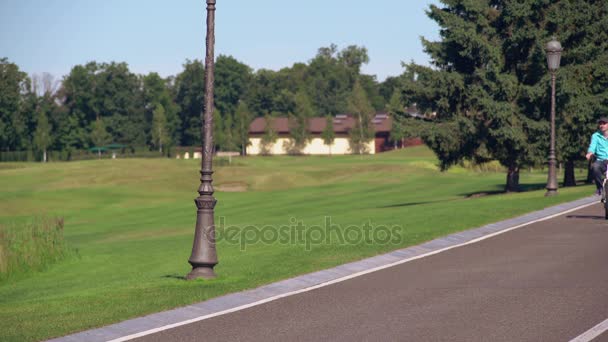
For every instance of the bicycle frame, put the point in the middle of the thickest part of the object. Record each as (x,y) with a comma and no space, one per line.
(604,190)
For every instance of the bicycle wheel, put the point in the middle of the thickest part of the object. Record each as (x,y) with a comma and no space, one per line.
(605,200)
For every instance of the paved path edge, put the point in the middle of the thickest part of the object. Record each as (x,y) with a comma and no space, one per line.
(145,325)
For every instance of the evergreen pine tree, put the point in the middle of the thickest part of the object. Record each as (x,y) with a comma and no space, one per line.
(483,83)
(582,79)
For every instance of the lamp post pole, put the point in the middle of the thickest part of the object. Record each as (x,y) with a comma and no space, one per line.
(554,50)
(204,256)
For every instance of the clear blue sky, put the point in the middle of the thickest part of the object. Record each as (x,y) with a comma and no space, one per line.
(55,35)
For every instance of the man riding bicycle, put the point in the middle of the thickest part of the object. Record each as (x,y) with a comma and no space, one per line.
(598,148)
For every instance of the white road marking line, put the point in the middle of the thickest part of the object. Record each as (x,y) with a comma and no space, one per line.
(354,275)
(592,333)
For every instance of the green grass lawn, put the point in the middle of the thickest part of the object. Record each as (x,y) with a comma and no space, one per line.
(132,222)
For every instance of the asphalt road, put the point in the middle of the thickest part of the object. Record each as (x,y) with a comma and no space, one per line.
(547,281)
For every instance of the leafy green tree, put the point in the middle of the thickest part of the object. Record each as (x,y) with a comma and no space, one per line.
(260,98)
(81,107)
(327,52)
(13,83)
(42,135)
(160,134)
(292,79)
(219,137)
(243,118)
(328,135)
(285,102)
(353,57)
(327,79)
(118,92)
(230,140)
(270,135)
(100,135)
(69,135)
(109,91)
(396,111)
(362,112)
(157,91)
(189,92)
(232,79)
(40,100)
(299,124)
(329,82)
(387,88)
(370,85)
(31,106)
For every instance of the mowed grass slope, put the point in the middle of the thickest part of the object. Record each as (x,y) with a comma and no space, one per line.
(132,222)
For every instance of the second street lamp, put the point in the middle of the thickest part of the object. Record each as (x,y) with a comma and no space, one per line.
(554,53)
(204,257)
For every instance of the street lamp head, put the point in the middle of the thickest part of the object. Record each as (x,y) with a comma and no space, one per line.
(554,54)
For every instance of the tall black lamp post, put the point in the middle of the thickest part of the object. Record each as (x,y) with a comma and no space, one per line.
(554,53)
(204,256)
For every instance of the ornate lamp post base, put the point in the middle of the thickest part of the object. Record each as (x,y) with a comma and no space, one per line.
(551,192)
(204,257)
(201,272)
(552,177)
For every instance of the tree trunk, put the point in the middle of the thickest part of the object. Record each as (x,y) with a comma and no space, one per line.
(569,178)
(44,156)
(512,179)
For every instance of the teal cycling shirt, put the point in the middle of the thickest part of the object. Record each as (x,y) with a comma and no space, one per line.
(599,146)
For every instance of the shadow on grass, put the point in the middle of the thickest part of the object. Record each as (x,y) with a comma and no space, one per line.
(522,188)
(532,187)
(417,203)
(174,276)
(483,193)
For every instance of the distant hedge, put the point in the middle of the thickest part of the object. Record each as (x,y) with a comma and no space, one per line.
(127,152)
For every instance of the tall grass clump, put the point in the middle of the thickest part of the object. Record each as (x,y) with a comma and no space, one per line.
(31,246)
(491,166)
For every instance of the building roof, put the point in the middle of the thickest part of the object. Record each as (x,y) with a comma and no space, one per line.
(342,124)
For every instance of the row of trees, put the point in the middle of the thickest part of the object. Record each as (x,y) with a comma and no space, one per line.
(101,103)
(357,104)
(490,88)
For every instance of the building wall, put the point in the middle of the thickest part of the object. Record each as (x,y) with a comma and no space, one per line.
(315,146)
